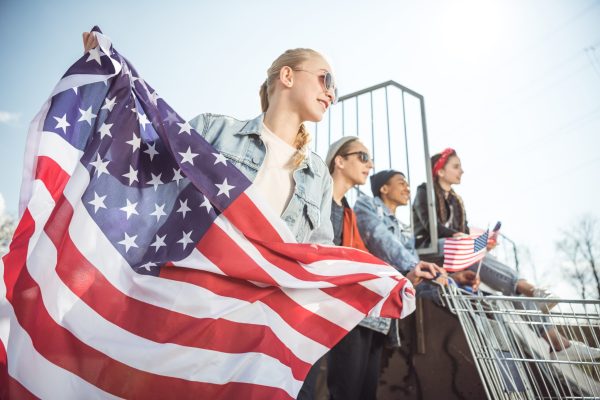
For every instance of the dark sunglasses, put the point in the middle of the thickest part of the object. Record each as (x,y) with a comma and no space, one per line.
(327,81)
(362,156)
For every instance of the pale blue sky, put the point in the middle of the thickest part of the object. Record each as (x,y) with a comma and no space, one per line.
(509,84)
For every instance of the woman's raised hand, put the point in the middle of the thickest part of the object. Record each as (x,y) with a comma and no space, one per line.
(89,41)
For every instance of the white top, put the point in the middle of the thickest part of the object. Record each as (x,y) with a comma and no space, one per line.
(275,179)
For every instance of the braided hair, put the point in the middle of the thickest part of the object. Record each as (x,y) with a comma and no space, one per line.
(440,195)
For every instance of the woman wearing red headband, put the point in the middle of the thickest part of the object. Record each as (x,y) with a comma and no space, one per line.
(452,222)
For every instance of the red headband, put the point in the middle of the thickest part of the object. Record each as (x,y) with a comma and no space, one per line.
(441,162)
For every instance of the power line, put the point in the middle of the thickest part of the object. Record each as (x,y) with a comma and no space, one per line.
(569,171)
(578,122)
(591,54)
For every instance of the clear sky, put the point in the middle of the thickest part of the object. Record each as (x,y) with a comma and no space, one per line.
(513,85)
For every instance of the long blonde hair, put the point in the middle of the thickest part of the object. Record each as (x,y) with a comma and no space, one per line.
(290,58)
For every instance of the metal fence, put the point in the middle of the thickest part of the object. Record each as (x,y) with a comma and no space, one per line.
(520,350)
(390,120)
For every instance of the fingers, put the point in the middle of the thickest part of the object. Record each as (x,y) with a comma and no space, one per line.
(426,270)
(476,283)
(89,41)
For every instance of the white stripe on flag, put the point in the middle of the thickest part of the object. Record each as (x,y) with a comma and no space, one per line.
(184,362)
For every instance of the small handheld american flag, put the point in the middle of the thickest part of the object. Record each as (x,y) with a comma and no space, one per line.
(462,252)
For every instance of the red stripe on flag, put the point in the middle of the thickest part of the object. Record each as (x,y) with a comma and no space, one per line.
(245,215)
(54,177)
(394,301)
(62,348)
(17,251)
(357,296)
(299,318)
(228,256)
(152,322)
(10,388)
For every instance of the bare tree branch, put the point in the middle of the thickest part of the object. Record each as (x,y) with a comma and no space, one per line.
(581,251)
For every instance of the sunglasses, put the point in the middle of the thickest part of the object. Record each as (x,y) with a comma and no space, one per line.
(327,81)
(363,156)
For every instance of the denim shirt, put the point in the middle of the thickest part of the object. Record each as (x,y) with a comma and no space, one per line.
(385,236)
(307,213)
(388,239)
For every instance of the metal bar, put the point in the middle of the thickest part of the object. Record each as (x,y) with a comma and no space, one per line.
(510,340)
(387,116)
(372,128)
(343,120)
(405,141)
(420,322)
(433,246)
(380,86)
(356,103)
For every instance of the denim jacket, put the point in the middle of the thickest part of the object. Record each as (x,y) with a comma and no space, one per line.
(385,236)
(388,239)
(307,213)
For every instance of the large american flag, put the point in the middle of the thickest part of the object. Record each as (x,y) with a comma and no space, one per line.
(144,265)
(462,252)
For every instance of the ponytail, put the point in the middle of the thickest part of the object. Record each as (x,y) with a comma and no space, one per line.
(264,96)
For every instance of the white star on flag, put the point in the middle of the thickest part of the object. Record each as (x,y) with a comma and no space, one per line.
(185,127)
(105,130)
(185,240)
(134,142)
(98,202)
(128,241)
(177,175)
(87,115)
(188,156)
(206,204)
(159,211)
(143,120)
(154,98)
(171,118)
(147,266)
(151,150)
(95,55)
(131,175)
(100,166)
(183,207)
(155,181)
(109,103)
(224,188)
(62,123)
(130,208)
(220,158)
(159,242)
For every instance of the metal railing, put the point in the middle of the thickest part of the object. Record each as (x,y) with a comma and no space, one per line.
(390,120)
(523,351)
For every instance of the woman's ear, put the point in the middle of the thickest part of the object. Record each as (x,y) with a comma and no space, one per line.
(286,76)
(338,160)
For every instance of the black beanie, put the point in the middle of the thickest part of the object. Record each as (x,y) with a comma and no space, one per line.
(381,178)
